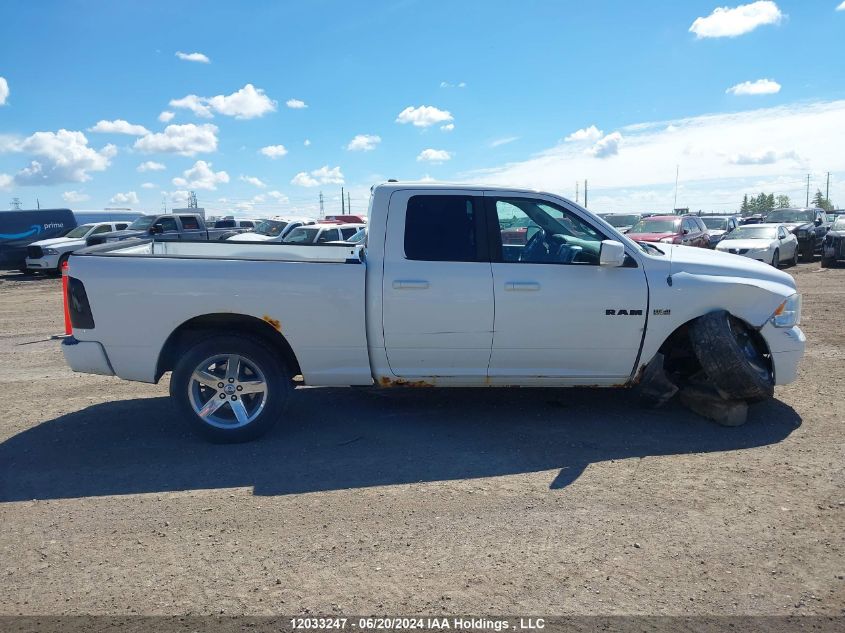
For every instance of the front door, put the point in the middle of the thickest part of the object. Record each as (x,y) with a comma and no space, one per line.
(560,317)
(438,289)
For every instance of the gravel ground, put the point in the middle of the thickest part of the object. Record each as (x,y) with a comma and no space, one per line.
(431,501)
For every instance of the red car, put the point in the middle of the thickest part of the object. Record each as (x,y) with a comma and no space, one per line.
(688,230)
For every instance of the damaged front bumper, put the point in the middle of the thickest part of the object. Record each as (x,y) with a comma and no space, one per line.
(786,346)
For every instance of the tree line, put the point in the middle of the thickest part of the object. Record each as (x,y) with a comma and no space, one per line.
(763,203)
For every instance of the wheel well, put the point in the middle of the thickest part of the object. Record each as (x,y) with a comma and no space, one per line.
(679,357)
(207,325)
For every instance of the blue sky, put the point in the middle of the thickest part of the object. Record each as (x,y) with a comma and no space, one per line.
(514,80)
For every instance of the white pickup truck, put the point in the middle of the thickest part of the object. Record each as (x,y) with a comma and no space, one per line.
(455,286)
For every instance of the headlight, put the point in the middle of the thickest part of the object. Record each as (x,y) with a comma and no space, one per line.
(668,240)
(788,313)
(50,251)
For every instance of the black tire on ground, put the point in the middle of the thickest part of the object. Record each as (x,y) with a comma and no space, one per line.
(776,259)
(807,253)
(828,262)
(62,260)
(255,364)
(794,260)
(732,358)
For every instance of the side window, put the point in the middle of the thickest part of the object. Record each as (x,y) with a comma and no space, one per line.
(441,229)
(168,225)
(701,225)
(224,224)
(189,223)
(538,232)
(347,233)
(781,233)
(105,228)
(120,226)
(328,235)
(247,224)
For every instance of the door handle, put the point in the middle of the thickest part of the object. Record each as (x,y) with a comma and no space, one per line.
(410,284)
(522,286)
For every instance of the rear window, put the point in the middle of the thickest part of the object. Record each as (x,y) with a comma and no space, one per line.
(224,224)
(440,229)
(247,224)
(189,223)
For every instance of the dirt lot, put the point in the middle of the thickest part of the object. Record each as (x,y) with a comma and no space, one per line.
(500,501)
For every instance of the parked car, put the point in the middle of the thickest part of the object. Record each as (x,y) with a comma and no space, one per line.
(718,226)
(769,243)
(344,219)
(235,224)
(167,226)
(19,229)
(688,230)
(834,243)
(579,304)
(49,255)
(271,230)
(321,233)
(755,218)
(809,226)
(621,221)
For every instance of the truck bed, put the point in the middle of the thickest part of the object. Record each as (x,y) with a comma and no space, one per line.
(255,251)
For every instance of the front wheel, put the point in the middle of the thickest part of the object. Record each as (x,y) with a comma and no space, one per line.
(807,253)
(231,388)
(776,258)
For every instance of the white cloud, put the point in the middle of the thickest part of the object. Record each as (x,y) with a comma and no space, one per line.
(448,127)
(166,116)
(763,157)
(180,197)
(201,176)
(4,90)
(591,133)
(119,126)
(731,22)
(503,141)
(149,185)
(759,87)
(63,156)
(255,182)
(75,196)
(295,104)
(322,176)
(424,116)
(446,84)
(193,57)
(130,197)
(6,182)
(363,143)
(306,143)
(607,146)
(434,155)
(719,157)
(187,140)
(841,7)
(274,151)
(278,196)
(247,103)
(150,165)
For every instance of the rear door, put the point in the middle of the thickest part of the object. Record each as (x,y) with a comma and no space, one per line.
(560,317)
(437,287)
(191,228)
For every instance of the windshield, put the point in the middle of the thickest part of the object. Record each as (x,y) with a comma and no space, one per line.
(656,225)
(80,231)
(789,215)
(358,236)
(271,228)
(302,235)
(753,233)
(142,223)
(717,224)
(620,220)
(839,224)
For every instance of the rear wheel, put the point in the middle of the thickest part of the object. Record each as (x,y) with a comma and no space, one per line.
(794,260)
(231,388)
(776,258)
(828,262)
(734,359)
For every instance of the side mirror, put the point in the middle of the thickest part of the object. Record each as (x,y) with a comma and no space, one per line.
(156,229)
(818,222)
(612,254)
(686,231)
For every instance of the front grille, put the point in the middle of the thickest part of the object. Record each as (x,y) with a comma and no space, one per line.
(738,251)
(34,252)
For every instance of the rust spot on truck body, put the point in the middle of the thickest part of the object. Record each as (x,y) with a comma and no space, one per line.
(387,382)
(273,322)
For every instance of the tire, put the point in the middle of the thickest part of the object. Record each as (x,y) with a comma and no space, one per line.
(734,361)
(62,260)
(776,258)
(828,262)
(807,253)
(259,383)
(794,260)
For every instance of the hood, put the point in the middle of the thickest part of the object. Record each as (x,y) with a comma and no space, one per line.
(792,226)
(649,237)
(716,263)
(716,232)
(116,235)
(59,241)
(250,237)
(747,243)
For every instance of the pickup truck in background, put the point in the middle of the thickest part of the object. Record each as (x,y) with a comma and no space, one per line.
(434,299)
(49,255)
(167,226)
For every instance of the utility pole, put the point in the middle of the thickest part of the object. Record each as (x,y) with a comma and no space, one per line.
(585,193)
(677,171)
(342,211)
(576,191)
(38,202)
(827,189)
(192,201)
(322,211)
(348,203)
(15,204)
(807,204)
